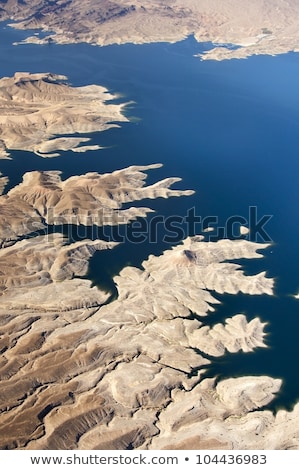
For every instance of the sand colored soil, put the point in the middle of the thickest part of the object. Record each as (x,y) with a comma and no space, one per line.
(258,27)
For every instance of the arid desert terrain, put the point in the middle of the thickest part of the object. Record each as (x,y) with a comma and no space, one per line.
(79,368)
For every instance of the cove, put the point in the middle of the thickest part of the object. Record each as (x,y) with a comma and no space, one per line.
(229,130)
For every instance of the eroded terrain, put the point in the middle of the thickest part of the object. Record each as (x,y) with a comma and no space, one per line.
(40,113)
(82,371)
(258,27)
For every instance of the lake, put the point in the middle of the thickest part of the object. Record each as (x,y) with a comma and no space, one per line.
(230,130)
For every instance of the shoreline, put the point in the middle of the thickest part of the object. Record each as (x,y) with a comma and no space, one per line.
(260,29)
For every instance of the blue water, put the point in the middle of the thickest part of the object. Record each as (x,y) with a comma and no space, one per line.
(229,130)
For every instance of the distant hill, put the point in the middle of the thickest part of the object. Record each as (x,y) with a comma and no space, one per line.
(257,27)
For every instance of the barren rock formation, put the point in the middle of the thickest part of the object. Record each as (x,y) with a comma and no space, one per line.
(257,27)
(92,199)
(237,334)
(76,373)
(185,424)
(80,370)
(3,183)
(22,265)
(35,108)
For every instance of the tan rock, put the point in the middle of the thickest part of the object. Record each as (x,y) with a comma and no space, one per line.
(237,334)
(256,27)
(127,360)
(82,370)
(91,199)
(209,414)
(35,108)
(42,260)
(3,183)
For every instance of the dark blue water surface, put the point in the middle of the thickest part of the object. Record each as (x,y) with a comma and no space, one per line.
(229,130)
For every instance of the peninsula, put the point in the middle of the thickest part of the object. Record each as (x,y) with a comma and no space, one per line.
(39,112)
(80,368)
(255,27)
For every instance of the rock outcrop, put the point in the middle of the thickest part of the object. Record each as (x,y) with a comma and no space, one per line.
(81,371)
(35,109)
(43,199)
(254,28)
